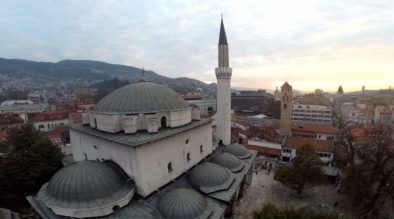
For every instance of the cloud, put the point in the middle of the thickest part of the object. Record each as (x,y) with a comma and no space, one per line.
(304,41)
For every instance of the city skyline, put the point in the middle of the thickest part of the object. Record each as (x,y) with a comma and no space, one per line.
(311,45)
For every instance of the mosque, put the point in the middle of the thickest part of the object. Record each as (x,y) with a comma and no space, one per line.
(143,152)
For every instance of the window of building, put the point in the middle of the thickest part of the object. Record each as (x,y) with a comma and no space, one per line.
(187,141)
(49,126)
(201,149)
(285,106)
(169,167)
(188,157)
(41,126)
(95,147)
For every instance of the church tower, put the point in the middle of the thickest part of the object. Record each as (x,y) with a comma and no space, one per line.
(223,75)
(286,94)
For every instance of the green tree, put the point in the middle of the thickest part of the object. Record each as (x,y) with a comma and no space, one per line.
(306,169)
(370,182)
(27,160)
(271,211)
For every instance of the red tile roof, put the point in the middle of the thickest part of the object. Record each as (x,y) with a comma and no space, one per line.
(47,116)
(264,150)
(315,128)
(3,136)
(317,145)
(309,128)
(10,119)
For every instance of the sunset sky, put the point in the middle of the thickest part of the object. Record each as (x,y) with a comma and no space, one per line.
(313,44)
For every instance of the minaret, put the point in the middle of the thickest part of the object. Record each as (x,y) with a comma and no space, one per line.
(223,75)
(286,94)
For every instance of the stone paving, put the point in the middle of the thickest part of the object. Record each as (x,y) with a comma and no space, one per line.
(264,189)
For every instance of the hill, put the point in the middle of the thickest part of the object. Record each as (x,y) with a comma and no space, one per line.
(66,70)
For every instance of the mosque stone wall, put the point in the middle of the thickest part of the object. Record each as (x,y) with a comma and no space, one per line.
(153,158)
(87,147)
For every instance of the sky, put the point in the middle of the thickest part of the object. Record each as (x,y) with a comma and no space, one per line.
(311,44)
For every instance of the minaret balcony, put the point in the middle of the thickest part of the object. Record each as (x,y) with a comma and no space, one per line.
(223,72)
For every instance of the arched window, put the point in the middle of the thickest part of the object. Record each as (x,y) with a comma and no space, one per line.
(188,157)
(169,167)
(163,122)
(201,149)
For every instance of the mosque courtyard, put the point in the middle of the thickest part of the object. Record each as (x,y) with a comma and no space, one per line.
(264,189)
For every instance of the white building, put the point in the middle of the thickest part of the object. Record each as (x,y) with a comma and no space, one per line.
(47,121)
(312,109)
(16,102)
(324,148)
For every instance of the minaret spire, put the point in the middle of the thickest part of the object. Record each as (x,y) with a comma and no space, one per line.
(222,35)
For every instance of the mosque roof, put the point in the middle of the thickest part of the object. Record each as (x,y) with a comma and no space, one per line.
(138,138)
(229,161)
(209,177)
(148,208)
(142,97)
(183,203)
(238,150)
(86,184)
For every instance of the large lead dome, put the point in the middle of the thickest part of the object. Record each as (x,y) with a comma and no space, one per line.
(80,187)
(142,97)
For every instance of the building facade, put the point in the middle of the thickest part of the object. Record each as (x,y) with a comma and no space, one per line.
(251,101)
(312,109)
(205,105)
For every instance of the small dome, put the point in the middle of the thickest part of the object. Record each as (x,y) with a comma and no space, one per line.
(229,161)
(86,184)
(142,97)
(209,177)
(182,203)
(238,150)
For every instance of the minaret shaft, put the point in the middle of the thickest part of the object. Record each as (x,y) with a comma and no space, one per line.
(223,60)
(223,75)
